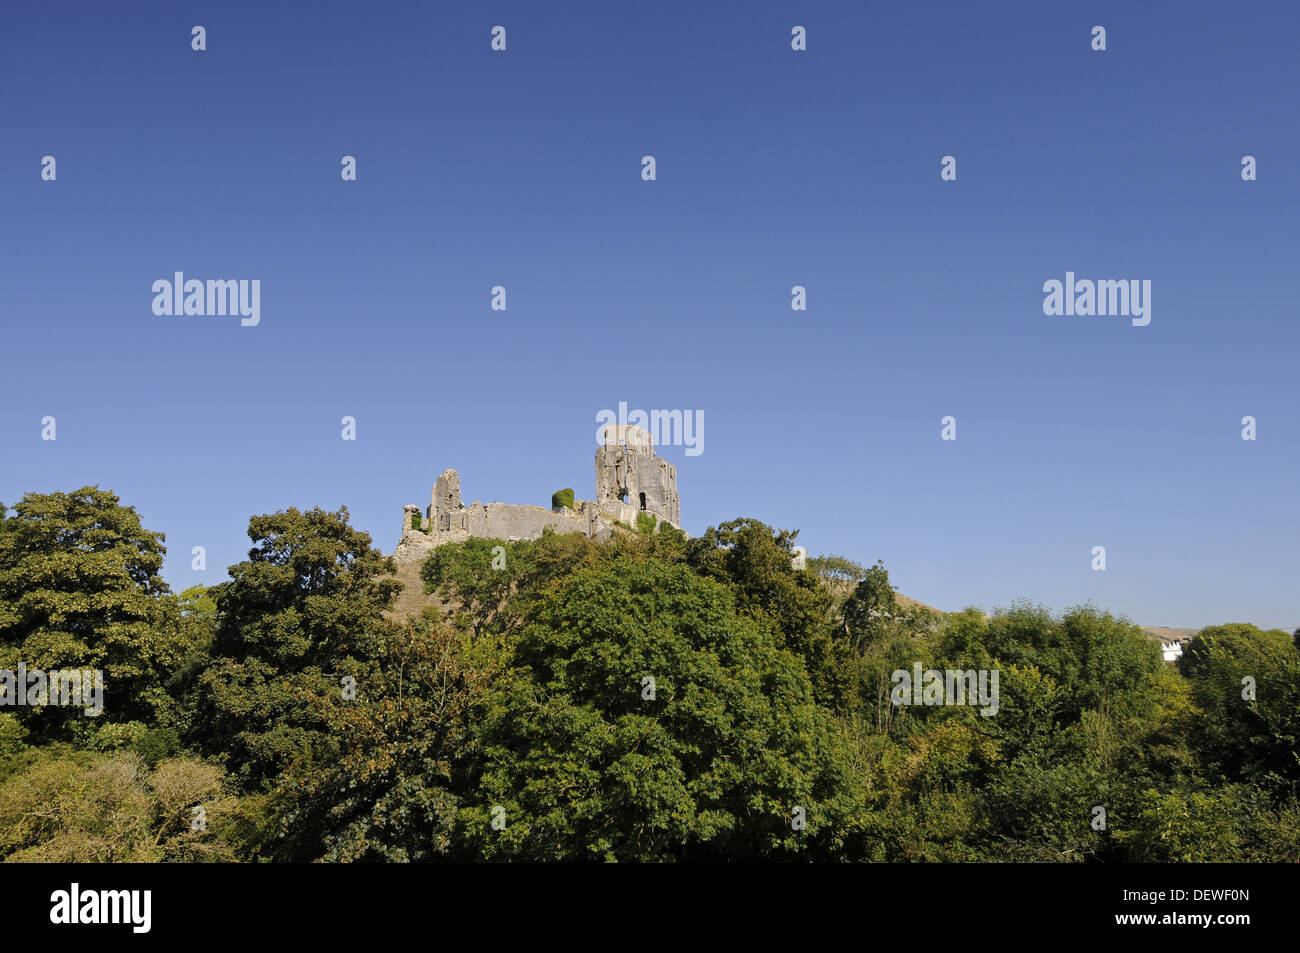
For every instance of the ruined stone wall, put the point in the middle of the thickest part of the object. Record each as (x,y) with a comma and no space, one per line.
(630,479)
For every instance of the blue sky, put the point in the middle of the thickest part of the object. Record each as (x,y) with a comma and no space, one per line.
(775,168)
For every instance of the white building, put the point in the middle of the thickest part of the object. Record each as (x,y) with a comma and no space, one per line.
(1172,641)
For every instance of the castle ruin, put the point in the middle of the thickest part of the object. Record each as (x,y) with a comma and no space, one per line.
(630,479)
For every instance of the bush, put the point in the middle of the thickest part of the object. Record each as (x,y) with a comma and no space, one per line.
(562,498)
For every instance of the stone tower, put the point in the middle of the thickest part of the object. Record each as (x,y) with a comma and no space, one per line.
(445,501)
(628,471)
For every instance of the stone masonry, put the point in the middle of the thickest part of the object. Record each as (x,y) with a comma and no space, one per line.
(630,479)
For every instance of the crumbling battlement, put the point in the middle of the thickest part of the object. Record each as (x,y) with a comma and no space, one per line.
(630,479)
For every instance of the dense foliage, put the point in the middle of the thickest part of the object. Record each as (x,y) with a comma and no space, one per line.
(651,698)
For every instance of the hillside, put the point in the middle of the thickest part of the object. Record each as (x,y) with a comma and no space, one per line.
(412,599)
(1161,632)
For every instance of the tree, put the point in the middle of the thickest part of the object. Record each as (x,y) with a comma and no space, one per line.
(395,788)
(836,569)
(584,758)
(1192,828)
(869,609)
(479,574)
(1247,682)
(1101,660)
(479,577)
(80,588)
(111,809)
(297,618)
(757,563)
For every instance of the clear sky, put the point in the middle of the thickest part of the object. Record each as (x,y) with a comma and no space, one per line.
(774,168)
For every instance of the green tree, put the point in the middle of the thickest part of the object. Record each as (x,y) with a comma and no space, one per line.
(394,790)
(300,615)
(1247,683)
(1101,660)
(757,563)
(112,809)
(871,606)
(479,574)
(1185,827)
(832,568)
(80,587)
(583,758)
